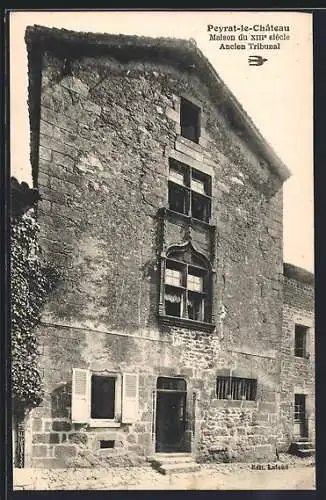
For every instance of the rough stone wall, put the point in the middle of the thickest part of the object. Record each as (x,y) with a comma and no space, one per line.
(297,374)
(106,133)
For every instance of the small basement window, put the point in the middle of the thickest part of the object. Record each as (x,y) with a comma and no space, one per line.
(300,341)
(236,388)
(189,120)
(103,397)
(105,444)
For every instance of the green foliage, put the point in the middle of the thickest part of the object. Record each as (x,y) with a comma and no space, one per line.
(31,281)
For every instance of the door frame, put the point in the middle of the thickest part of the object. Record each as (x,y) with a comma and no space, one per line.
(300,427)
(188,407)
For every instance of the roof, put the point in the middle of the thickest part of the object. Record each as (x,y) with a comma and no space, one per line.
(298,273)
(22,197)
(183,54)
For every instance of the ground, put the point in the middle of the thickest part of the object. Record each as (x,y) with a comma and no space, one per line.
(299,475)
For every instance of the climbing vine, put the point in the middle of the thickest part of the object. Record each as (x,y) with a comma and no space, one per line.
(31,281)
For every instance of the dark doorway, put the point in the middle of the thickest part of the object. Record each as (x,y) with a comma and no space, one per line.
(300,424)
(171,414)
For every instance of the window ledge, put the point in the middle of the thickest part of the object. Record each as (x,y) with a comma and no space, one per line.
(188,218)
(103,423)
(189,142)
(236,403)
(185,323)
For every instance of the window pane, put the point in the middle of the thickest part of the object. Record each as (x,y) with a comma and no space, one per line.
(200,182)
(195,307)
(175,384)
(178,198)
(176,176)
(300,340)
(189,120)
(197,185)
(103,397)
(200,207)
(173,277)
(195,283)
(172,301)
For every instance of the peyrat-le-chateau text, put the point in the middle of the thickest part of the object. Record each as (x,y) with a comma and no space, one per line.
(245,27)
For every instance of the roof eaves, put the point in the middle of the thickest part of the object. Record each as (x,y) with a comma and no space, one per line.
(184,53)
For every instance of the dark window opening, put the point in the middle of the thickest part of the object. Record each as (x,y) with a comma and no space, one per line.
(189,191)
(195,306)
(200,207)
(300,343)
(102,397)
(171,383)
(104,444)
(200,182)
(178,199)
(236,388)
(172,308)
(189,120)
(299,407)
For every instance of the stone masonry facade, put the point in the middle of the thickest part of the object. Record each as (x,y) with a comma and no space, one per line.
(105,125)
(298,369)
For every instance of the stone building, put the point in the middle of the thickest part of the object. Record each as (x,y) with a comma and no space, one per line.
(162,210)
(298,358)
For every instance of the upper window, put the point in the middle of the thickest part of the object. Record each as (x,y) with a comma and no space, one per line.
(300,341)
(236,388)
(189,191)
(189,120)
(187,287)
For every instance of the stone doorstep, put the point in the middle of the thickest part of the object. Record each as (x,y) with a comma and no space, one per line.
(178,468)
(171,458)
(302,448)
(304,445)
(169,463)
(306,453)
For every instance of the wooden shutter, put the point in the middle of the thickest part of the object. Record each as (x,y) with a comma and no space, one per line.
(80,395)
(129,397)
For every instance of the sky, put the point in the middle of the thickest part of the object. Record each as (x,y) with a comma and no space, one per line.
(277,95)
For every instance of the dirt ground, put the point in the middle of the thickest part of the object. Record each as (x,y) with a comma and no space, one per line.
(300,475)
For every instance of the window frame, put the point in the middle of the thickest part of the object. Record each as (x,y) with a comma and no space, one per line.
(186,106)
(107,422)
(191,175)
(227,383)
(304,333)
(184,290)
(198,267)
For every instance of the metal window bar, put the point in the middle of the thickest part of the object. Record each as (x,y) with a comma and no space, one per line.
(236,388)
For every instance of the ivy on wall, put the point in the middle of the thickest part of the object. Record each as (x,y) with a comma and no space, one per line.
(31,281)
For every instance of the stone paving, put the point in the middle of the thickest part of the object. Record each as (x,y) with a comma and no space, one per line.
(299,475)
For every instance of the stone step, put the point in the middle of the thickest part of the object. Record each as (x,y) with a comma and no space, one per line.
(302,448)
(305,453)
(178,468)
(171,458)
(303,444)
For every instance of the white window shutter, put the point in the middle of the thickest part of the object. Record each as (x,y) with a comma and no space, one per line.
(129,397)
(80,395)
